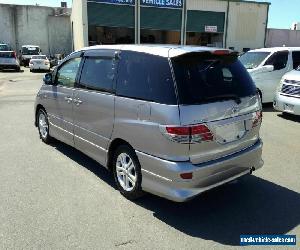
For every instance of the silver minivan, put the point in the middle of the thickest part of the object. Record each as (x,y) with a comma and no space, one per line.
(174,121)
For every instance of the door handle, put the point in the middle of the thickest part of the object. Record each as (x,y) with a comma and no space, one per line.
(68,99)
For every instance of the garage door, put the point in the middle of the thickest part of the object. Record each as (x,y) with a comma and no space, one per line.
(160,18)
(198,20)
(110,15)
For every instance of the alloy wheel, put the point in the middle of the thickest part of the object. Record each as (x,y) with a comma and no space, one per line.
(126,172)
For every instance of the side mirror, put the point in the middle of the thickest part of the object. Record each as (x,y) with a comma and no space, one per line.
(48,79)
(268,68)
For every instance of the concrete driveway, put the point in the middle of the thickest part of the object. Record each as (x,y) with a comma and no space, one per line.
(54,197)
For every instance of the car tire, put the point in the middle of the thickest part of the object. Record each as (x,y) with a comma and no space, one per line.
(43,126)
(127,172)
(18,69)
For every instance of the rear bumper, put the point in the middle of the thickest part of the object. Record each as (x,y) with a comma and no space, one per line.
(9,66)
(280,101)
(162,177)
(40,67)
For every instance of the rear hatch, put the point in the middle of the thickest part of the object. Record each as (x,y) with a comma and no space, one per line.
(7,57)
(218,101)
(37,61)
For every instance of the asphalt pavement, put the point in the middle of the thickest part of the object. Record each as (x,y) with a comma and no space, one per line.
(54,197)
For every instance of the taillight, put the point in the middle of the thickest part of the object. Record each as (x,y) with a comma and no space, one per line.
(178,130)
(257,119)
(221,52)
(186,176)
(188,134)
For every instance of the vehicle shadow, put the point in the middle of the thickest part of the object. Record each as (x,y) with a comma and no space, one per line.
(249,206)
(40,71)
(290,117)
(85,162)
(268,107)
(11,71)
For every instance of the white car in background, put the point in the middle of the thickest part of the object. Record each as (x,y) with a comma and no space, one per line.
(287,98)
(268,65)
(39,62)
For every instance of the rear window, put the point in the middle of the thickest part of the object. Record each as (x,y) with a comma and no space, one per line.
(205,78)
(145,77)
(30,50)
(39,57)
(4,47)
(7,54)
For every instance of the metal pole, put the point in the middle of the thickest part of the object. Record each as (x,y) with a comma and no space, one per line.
(183,23)
(137,20)
(266,29)
(226,30)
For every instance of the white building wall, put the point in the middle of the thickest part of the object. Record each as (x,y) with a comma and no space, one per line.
(35,25)
(7,25)
(246,21)
(79,22)
(32,27)
(246,25)
(209,5)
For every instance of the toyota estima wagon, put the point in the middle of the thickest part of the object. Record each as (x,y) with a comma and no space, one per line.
(170,120)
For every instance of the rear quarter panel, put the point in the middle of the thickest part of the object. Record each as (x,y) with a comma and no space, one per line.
(137,122)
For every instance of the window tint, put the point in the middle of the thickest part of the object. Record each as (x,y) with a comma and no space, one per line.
(7,54)
(296,59)
(278,60)
(98,73)
(30,50)
(4,47)
(207,78)
(66,74)
(145,77)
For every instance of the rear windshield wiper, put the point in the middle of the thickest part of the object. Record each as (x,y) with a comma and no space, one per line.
(236,98)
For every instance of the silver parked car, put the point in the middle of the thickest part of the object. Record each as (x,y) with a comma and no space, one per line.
(170,120)
(287,98)
(9,60)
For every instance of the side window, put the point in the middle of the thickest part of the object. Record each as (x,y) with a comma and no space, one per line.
(98,73)
(296,59)
(66,74)
(278,60)
(146,77)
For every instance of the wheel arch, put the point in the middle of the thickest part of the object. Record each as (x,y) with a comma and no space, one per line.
(38,107)
(112,148)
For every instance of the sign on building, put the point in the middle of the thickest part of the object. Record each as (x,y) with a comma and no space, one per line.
(151,3)
(211,29)
(162,3)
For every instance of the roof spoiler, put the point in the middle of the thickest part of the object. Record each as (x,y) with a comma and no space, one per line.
(227,56)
